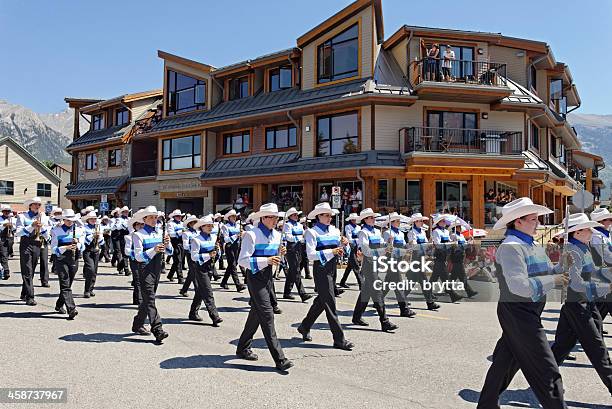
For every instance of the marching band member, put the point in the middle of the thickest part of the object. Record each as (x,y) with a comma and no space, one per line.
(66,239)
(231,237)
(417,238)
(174,229)
(120,230)
(105,227)
(260,252)
(203,253)
(305,264)
(351,232)
(324,245)
(188,234)
(371,244)
(91,253)
(7,232)
(601,250)
(440,237)
(31,228)
(114,236)
(525,275)
(457,258)
(293,235)
(134,224)
(149,248)
(580,319)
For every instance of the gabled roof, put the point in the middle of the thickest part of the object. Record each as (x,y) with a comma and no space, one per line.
(41,167)
(258,61)
(125,98)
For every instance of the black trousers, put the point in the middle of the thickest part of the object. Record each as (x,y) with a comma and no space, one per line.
(458,271)
(106,248)
(91,258)
(419,277)
(232,250)
(581,321)
(400,295)
(136,295)
(11,243)
(325,300)
(353,265)
(203,290)
(294,277)
(177,258)
(149,279)
(118,245)
(261,314)
(4,256)
(114,242)
(305,264)
(523,345)
(191,271)
(66,270)
(29,254)
(369,292)
(440,272)
(44,263)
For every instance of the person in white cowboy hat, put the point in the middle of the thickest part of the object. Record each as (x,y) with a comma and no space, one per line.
(118,231)
(601,250)
(231,232)
(66,240)
(396,242)
(203,250)
(293,235)
(174,229)
(189,232)
(579,319)
(32,229)
(105,227)
(351,232)
(218,218)
(150,245)
(371,244)
(440,236)
(56,216)
(261,250)
(525,275)
(7,233)
(324,244)
(134,224)
(114,215)
(457,259)
(94,242)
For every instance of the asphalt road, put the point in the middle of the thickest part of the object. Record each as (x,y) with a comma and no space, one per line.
(435,360)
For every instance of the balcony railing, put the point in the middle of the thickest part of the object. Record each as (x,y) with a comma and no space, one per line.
(460,71)
(144,168)
(461,140)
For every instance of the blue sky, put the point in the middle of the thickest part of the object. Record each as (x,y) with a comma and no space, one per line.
(53,49)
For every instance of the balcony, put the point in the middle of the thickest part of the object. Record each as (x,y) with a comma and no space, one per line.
(463,141)
(463,80)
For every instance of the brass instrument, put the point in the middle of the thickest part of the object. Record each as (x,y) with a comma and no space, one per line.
(96,237)
(37,228)
(9,228)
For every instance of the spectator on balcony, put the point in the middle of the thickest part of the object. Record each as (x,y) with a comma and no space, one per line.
(346,201)
(357,200)
(447,63)
(431,62)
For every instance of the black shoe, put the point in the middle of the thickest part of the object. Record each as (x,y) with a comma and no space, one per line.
(170,278)
(183,294)
(432,306)
(31,302)
(195,317)
(344,285)
(113,264)
(604,332)
(289,297)
(308,278)
(277,310)
(72,314)
(284,364)
(45,285)
(306,297)
(434,297)
(160,335)
(472,294)
(240,288)
(216,321)
(92,293)
(60,310)
(570,357)
(6,276)
(181,281)
(388,326)
(86,295)
(407,312)
(247,355)
(305,334)
(454,297)
(141,331)
(346,345)
(128,273)
(225,286)
(360,322)
(339,291)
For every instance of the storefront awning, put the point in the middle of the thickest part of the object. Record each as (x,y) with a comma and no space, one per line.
(96,187)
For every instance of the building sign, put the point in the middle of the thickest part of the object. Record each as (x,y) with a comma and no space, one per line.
(182,185)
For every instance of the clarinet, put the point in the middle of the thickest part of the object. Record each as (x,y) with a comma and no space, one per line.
(73,239)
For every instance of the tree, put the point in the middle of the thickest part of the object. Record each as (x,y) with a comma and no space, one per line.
(48,163)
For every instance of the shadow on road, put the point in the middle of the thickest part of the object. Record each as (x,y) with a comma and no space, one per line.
(33,314)
(102,337)
(212,361)
(522,398)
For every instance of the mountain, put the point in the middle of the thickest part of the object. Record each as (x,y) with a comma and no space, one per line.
(595,134)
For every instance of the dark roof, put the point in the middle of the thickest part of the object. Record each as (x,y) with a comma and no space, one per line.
(252,60)
(101,135)
(272,164)
(96,186)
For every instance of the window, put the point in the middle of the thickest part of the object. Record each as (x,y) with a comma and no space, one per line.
(280,137)
(97,122)
(280,78)
(184,93)
(338,57)
(458,126)
(114,157)
(237,142)
(239,88)
(463,66)
(7,187)
(535,136)
(181,153)
(533,77)
(43,189)
(122,116)
(91,161)
(337,134)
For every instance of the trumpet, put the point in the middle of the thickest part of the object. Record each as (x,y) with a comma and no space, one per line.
(9,229)
(96,237)
(37,228)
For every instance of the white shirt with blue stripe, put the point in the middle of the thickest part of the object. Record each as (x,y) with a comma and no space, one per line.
(321,239)
(599,284)
(440,235)
(257,245)
(351,232)
(128,250)
(601,242)
(293,232)
(201,246)
(370,241)
(187,235)
(90,231)
(6,220)
(62,236)
(145,241)
(399,241)
(24,226)
(174,229)
(231,232)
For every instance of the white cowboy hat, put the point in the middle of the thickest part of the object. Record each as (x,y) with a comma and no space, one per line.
(33,200)
(418,217)
(230,213)
(322,208)
(437,218)
(579,221)
(601,213)
(352,216)
(115,211)
(292,211)
(176,212)
(203,221)
(124,209)
(90,215)
(217,215)
(68,214)
(517,209)
(5,207)
(147,211)
(190,219)
(159,213)
(56,210)
(367,212)
(135,219)
(268,209)
(105,217)
(391,217)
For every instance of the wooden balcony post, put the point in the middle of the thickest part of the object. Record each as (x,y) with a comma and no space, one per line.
(477,197)
(523,188)
(308,196)
(428,193)
(258,195)
(589,180)
(370,192)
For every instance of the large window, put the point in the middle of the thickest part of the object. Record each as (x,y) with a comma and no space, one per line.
(181,153)
(535,136)
(185,93)
(7,187)
(91,161)
(280,137)
(338,134)
(533,77)
(338,57)
(114,157)
(43,189)
(122,116)
(237,142)
(463,66)
(458,127)
(239,88)
(97,122)
(280,78)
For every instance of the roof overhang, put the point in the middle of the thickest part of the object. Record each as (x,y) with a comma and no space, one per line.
(185,61)
(463,164)
(122,99)
(80,102)
(282,56)
(443,91)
